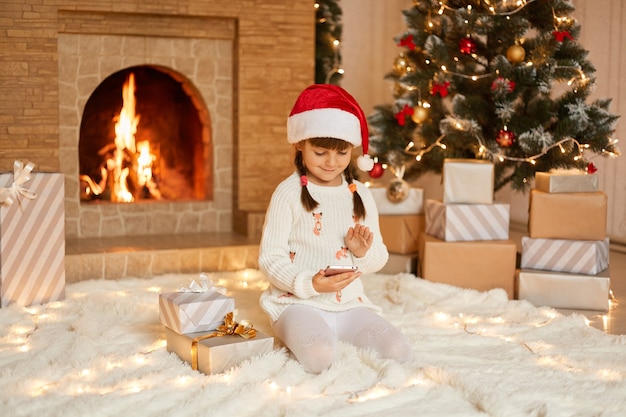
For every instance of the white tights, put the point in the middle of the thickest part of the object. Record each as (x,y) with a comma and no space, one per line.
(312,335)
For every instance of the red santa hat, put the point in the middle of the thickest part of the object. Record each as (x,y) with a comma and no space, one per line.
(329,111)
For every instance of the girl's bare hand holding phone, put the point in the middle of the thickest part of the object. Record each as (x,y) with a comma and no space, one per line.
(333,283)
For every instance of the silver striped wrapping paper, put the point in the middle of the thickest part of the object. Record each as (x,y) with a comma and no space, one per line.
(467,222)
(32,242)
(563,255)
(190,312)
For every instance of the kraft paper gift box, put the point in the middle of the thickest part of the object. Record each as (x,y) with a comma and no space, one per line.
(563,255)
(466,222)
(32,237)
(478,265)
(401,233)
(565,290)
(217,354)
(579,216)
(467,181)
(564,182)
(412,204)
(191,312)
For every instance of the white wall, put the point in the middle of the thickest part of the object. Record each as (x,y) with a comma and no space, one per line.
(368,49)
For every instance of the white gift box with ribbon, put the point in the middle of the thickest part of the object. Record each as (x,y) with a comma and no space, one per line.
(198,308)
(32,236)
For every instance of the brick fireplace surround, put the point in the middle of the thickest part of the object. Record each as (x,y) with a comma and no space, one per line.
(244,61)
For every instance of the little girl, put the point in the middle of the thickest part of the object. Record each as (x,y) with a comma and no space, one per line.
(321,216)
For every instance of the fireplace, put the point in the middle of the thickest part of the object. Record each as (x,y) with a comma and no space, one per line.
(241,64)
(142,137)
(184,102)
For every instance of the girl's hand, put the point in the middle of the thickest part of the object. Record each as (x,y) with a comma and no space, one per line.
(359,239)
(333,283)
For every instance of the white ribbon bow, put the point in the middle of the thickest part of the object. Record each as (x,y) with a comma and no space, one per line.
(205,285)
(21,174)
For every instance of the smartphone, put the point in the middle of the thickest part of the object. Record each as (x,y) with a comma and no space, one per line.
(340,269)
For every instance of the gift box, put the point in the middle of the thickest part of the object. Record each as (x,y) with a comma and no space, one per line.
(398,264)
(578,216)
(191,312)
(412,204)
(217,354)
(467,181)
(566,182)
(565,290)
(478,265)
(465,222)
(561,255)
(401,232)
(32,237)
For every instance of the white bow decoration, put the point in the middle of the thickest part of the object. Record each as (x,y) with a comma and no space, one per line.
(205,285)
(21,175)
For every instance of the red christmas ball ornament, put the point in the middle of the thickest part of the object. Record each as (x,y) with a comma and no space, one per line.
(467,46)
(591,168)
(377,171)
(505,138)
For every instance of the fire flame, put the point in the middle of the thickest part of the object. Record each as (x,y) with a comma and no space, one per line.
(127,162)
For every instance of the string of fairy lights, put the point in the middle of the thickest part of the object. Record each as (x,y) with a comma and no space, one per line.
(94,378)
(336,43)
(579,80)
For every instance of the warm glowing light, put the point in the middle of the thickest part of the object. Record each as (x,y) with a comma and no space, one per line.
(441,316)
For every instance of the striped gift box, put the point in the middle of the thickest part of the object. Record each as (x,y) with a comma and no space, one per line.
(32,242)
(562,255)
(190,312)
(467,222)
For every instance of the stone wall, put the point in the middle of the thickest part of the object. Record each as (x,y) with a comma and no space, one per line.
(273,59)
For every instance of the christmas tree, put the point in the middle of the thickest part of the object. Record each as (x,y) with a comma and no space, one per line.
(328,30)
(499,80)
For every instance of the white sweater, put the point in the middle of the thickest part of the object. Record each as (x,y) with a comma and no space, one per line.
(296,244)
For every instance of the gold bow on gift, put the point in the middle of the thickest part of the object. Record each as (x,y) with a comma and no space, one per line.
(230,327)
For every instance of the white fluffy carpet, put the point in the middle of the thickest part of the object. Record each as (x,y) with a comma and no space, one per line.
(101,352)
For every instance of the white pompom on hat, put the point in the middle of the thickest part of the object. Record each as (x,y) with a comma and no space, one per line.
(329,111)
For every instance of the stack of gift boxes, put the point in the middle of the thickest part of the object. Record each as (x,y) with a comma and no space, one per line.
(565,258)
(32,236)
(466,240)
(201,329)
(401,223)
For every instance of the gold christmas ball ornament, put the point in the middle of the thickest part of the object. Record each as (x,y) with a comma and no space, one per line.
(398,190)
(515,54)
(401,64)
(420,114)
